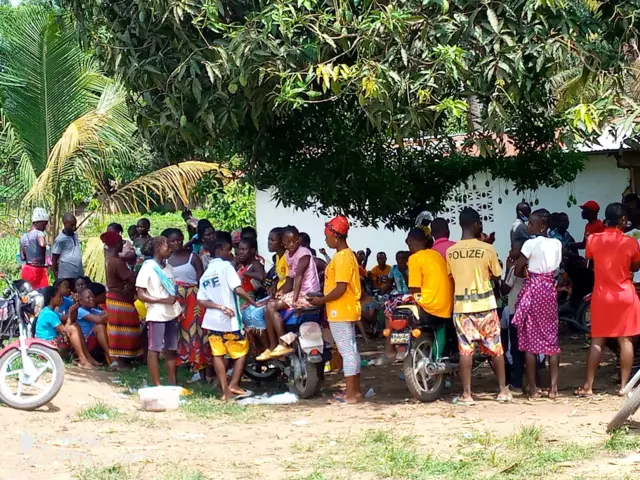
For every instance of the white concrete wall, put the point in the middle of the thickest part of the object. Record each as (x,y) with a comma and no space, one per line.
(601,181)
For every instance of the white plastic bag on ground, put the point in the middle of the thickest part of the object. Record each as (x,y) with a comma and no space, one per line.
(279,399)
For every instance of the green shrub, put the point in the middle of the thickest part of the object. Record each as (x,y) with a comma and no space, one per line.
(9,248)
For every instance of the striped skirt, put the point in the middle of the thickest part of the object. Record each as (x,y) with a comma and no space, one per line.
(193,342)
(123,329)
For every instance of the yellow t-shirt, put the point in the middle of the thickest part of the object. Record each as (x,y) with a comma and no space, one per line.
(282,270)
(472,264)
(343,268)
(379,276)
(428,272)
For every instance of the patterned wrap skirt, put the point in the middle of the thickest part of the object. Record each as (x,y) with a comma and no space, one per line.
(123,328)
(536,316)
(193,342)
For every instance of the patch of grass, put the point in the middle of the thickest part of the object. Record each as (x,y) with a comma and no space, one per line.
(622,441)
(111,472)
(135,378)
(315,475)
(129,472)
(178,472)
(210,407)
(98,411)
(389,455)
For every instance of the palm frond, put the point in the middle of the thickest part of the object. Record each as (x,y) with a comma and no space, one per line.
(167,184)
(93,260)
(85,147)
(15,165)
(45,81)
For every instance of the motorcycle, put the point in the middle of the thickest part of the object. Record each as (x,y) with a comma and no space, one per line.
(304,368)
(428,348)
(31,370)
(580,321)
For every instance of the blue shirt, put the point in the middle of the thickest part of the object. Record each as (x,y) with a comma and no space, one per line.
(565,238)
(46,324)
(85,325)
(398,280)
(66,304)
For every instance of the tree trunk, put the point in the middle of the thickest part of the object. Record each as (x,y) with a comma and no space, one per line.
(474,119)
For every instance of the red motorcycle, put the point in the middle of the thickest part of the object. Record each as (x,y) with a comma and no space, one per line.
(31,370)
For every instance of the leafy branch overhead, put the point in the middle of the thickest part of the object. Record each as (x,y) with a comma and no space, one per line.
(65,125)
(251,72)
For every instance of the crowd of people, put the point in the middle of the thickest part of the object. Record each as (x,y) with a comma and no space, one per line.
(204,298)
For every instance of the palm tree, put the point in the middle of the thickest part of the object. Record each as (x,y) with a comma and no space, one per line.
(63,122)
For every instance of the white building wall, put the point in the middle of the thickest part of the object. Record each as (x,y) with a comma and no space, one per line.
(601,181)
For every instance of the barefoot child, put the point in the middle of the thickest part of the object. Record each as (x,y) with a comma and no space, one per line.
(93,321)
(50,327)
(157,289)
(536,311)
(220,287)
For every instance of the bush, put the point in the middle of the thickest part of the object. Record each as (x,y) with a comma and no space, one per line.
(160,221)
(9,248)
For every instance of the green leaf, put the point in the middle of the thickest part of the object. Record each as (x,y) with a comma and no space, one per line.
(197,89)
(493,20)
(405,59)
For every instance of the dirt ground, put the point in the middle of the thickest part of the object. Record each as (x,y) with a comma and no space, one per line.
(284,442)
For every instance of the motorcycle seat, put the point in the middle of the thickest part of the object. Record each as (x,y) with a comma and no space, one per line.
(424,318)
(293,317)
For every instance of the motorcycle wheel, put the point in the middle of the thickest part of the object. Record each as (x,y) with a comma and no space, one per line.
(308,384)
(630,407)
(261,372)
(583,316)
(420,385)
(46,359)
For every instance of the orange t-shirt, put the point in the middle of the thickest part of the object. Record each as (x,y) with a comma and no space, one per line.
(343,268)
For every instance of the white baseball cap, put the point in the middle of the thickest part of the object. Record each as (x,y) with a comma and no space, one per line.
(39,215)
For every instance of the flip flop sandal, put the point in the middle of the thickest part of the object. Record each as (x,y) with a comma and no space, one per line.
(464,403)
(580,394)
(246,394)
(507,399)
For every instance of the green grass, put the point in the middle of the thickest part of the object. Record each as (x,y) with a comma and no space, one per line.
(622,441)
(135,378)
(97,412)
(210,407)
(312,476)
(111,472)
(384,454)
(130,472)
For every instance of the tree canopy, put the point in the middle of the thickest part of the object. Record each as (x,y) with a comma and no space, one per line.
(321,96)
(65,127)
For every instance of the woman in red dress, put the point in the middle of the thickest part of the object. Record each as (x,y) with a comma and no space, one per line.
(615,306)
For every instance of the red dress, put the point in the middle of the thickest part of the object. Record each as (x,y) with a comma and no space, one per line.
(615,306)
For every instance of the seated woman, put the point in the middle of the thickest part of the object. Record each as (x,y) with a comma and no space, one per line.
(302,270)
(249,268)
(49,327)
(92,319)
(253,318)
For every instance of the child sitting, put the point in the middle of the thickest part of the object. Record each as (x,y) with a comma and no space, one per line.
(220,287)
(49,327)
(93,322)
